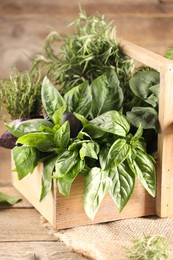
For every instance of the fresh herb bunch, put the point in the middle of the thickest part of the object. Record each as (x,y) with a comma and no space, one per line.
(85,54)
(102,149)
(149,247)
(20,95)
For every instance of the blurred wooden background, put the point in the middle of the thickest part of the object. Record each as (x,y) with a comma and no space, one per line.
(25,23)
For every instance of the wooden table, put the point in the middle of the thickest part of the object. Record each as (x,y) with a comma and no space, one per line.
(23,237)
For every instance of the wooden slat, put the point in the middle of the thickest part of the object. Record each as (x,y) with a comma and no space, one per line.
(70,210)
(36,250)
(30,188)
(22,225)
(146,57)
(71,8)
(164,205)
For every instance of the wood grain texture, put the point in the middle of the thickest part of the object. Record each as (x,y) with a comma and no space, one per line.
(24,25)
(70,210)
(36,251)
(65,212)
(23,236)
(22,225)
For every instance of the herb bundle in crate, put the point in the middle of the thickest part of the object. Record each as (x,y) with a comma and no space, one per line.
(89,156)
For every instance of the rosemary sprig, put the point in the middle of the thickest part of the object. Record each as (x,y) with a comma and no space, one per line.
(149,248)
(20,95)
(85,54)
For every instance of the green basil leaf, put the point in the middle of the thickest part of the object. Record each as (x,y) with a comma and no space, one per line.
(57,116)
(142,82)
(51,98)
(146,116)
(110,122)
(103,157)
(44,142)
(138,133)
(78,99)
(7,199)
(77,144)
(117,153)
(62,135)
(82,135)
(64,183)
(28,126)
(81,118)
(97,184)
(123,181)
(46,129)
(143,166)
(26,159)
(152,100)
(155,90)
(48,168)
(93,131)
(89,149)
(106,93)
(65,163)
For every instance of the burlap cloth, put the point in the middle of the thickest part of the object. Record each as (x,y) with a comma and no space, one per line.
(108,241)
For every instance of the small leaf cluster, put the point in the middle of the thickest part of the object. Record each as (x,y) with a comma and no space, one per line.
(85,54)
(104,150)
(149,247)
(20,95)
(8,199)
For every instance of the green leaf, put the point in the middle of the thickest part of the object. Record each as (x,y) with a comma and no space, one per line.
(106,93)
(48,168)
(146,116)
(44,142)
(142,82)
(51,98)
(117,153)
(123,181)
(110,122)
(57,116)
(97,184)
(93,131)
(89,149)
(7,199)
(28,126)
(65,163)
(103,157)
(26,159)
(64,183)
(143,166)
(81,118)
(138,133)
(62,135)
(78,99)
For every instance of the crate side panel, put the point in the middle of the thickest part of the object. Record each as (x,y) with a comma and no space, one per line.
(70,210)
(30,188)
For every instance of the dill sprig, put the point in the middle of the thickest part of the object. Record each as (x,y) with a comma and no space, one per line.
(85,54)
(20,95)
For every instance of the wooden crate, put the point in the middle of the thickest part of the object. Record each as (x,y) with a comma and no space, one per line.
(65,212)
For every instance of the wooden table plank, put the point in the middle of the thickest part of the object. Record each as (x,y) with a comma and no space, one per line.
(13,192)
(37,250)
(22,225)
(23,237)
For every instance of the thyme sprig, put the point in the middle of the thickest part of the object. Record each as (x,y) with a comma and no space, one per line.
(20,95)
